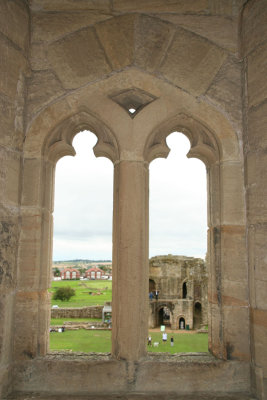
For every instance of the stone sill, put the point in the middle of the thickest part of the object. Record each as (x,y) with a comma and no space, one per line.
(158,357)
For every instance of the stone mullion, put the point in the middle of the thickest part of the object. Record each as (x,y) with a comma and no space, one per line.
(32,303)
(130,260)
(214,261)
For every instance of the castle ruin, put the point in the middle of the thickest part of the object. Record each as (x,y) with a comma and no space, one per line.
(180,292)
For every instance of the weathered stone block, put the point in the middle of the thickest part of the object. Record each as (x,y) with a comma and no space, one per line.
(261,294)
(5,379)
(257,242)
(152,37)
(210,376)
(215,331)
(213,196)
(233,194)
(12,62)
(43,87)
(259,321)
(78,59)
(236,333)
(30,250)
(44,322)
(14,22)
(235,293)
(44,122)
(7,121)
(257,66)
(85,375)
(48,191)
(9,232)
(191,62)
(69,5)
(54,26)
(180,6)
(233,253)
(117,38)
(219,30)
(6,323)
(10,177)
(32,190)
(38,56)
(254,27)
(225,91)
(46,255)
(26,323)
(257,120)
(257,188)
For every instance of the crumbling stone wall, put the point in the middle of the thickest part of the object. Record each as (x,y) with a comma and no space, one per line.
(83,312)
(170,273)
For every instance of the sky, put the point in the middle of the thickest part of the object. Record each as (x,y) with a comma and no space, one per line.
(84,197)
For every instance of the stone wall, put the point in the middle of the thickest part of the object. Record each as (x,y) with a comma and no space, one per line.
(83,312)
(14,69)
(254,51)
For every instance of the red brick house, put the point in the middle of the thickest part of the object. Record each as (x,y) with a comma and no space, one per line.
(70,273)
(94,273)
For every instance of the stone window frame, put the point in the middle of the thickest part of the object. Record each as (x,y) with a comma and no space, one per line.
(37,207)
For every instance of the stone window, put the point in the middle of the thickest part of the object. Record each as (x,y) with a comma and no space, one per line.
(184,290)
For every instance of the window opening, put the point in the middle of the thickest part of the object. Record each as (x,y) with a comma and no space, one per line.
(184,290)
(82,251)
(178,226)
(198,315)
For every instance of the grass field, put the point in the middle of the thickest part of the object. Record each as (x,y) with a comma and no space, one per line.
(100,342)
(82,296)
(61,321)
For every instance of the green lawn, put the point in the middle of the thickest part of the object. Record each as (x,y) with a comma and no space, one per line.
(81,340)
(100,341)
(82,297)
(183,343)
(61,321)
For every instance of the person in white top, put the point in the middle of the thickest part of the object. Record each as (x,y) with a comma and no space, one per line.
(164,337)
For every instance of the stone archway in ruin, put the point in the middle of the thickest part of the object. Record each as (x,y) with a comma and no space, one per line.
(181,323)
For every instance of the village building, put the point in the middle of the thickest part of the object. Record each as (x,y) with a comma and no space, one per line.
(94,273)
(70,273)
(178,292)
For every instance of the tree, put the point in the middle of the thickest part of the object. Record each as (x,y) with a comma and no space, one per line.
(56,271)
(64,293)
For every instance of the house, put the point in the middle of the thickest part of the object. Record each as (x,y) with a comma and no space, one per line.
(94,273)
(70,273)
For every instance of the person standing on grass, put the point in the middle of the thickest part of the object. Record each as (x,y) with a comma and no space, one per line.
(149,341)
(164,337)
(172,341)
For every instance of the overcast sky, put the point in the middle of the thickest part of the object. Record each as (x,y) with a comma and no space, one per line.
(83,203)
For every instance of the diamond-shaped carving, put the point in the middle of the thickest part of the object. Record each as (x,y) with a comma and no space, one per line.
(133,100)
